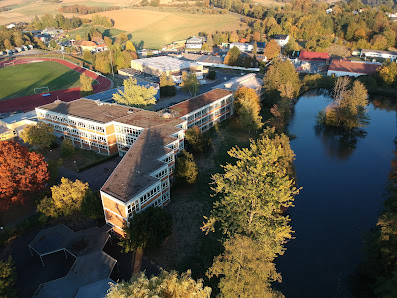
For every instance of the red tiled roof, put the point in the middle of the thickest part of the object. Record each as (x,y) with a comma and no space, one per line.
(87,43)
(243,40)
(356,67)
(305,55)
(192,104)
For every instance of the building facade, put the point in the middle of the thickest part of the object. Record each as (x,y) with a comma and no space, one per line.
(340,68)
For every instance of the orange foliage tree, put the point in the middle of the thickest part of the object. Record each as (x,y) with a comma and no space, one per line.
(21,172)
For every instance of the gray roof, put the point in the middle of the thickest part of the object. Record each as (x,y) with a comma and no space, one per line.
(250,81)
(363,51)
(97,289)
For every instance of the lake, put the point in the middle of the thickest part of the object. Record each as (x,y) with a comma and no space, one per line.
(340,200)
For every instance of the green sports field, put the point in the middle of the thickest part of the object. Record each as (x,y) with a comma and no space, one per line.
(21,80)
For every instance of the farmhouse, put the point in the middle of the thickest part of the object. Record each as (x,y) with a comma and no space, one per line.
(340,68)
(314,56)
(243,47)
(156,66)
(281,39)
(378,54)
(194,43)
(148,142)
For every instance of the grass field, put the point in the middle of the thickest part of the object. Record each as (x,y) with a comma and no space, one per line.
(83,31)
(156,28)
(20,80)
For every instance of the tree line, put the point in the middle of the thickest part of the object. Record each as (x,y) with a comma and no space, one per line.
(81,9)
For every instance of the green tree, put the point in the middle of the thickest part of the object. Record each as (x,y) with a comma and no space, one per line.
(8,276)
(134,95)
(91,205)
(146,230)
(86,85)
(245,268)
(67,147)
(167,85)
(40,135)
(211,75)
(190,83)
(185,167)
(248,108)
(87,55)
(348,109)
(233,57)
(167,284)
(254,192)
(196,141)
(67,197)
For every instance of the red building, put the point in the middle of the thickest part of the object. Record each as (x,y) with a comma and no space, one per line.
(314,56)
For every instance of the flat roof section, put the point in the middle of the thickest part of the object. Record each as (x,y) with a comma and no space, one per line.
(165,63)
(192,104)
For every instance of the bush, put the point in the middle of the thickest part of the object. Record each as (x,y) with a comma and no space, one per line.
(67,147)
(186,168)
(211,75)
(92,206)
(8,277)
(167,91)
(197,142)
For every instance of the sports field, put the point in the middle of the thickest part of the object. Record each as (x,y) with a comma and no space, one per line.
(20,80)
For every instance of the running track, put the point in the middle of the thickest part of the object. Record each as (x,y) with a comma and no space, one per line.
(29,102)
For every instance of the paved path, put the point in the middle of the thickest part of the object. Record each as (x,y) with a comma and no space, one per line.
(29,102)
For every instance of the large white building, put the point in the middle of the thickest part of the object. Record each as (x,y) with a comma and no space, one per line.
(243,47)
(342,68)
(378,54)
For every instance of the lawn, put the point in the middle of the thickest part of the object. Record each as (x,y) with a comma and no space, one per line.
(83,31)
(21,80)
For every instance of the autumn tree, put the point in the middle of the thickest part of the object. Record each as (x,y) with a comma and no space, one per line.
(254,192)
(272,50)
(86,85)
(40,136)
(167,284)
(21,172)
(8,276)
(245,268)
(388,73)
(347,111)
(167,85)
(87,55)
(233,37)
(66,198)
(185,167)
(67,147)
(248,108)
(135,95)
(129,46)
(190,83)
(146,229)
(196,141)
(233,57)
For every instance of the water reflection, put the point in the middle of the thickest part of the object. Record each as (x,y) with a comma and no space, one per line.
(339,143)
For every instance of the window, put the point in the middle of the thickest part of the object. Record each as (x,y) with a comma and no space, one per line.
(72,122)
(100,129)
(162,174)
(81,124)
(165,184)
(150,194)
(91,127)
(190,118)
(132,208)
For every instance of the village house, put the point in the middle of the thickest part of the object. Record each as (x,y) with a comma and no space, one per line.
(314,56)
(281,39)
(243,47)
(339,68)
(194,43)
(378,54)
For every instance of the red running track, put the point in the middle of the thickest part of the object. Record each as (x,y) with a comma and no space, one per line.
(29,102)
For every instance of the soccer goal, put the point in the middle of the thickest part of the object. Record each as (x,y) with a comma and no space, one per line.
(8,64)
(41,89)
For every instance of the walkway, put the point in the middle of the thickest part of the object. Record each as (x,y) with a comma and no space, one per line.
(29,102)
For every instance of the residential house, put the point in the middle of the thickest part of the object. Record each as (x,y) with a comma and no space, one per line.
(314,56)
(243,47)
(378,54)
(281,39)
(194,43)
(339,68)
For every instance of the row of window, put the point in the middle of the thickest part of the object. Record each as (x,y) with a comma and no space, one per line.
(87,142)
(66,120)
(146,197)
(125,140)
(77,132)
(128,131)
(162,174)
(168,159)
(209,109)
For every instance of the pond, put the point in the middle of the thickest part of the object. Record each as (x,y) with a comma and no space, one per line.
(343,183)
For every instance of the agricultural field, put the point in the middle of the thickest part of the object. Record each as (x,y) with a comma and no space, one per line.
(156,28)
(83,31)
(21,80)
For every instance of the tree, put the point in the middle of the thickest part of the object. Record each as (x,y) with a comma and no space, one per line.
(129,46)
(21,172)
(283,79)
(190,83)
(211,75)
(92,205)
(348,109)
(66,198)
(233,37)
(388,73)
(196,141)
(233,57)
(78,37)
(40,135)
(135,95)
(8,277)
(186,168)
(248,108)
(167,85)
(87,55)
(272,49)
(256,36)
(86,85)
(147,229)
(291,46)
(254,192)
(167,284)
(245,268)
(67,147)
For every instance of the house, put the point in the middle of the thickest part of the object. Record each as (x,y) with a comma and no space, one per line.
(328,11)
(53,32)
(281,39)
(260,47)
(243,47)
(339,67)
(10,26)
(148,141)
(12,126)
(194,43)
(156,66)
(314,56)
(85,45)
(378,54)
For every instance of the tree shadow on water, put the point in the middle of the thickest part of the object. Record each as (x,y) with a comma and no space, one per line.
(339,143)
